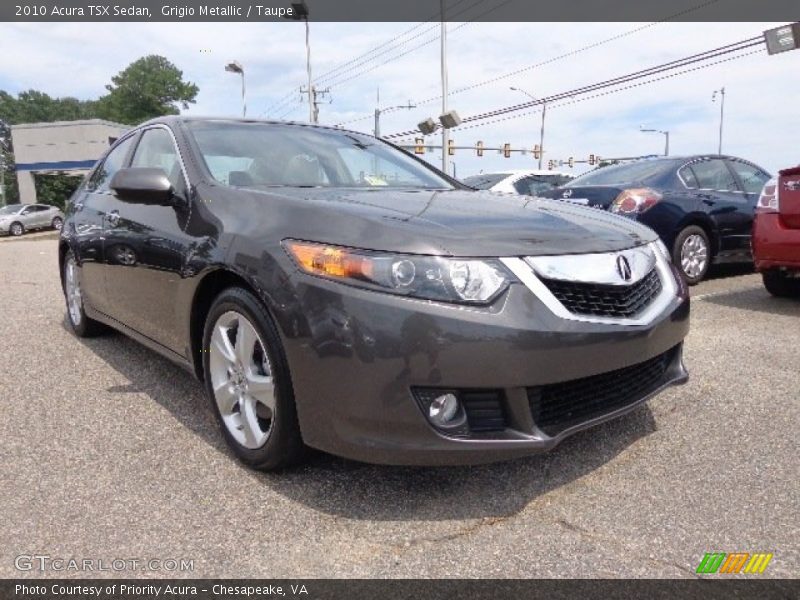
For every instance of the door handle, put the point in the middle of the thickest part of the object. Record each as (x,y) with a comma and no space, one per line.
(113,218)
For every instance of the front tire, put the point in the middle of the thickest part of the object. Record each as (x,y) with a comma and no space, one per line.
(248,382)
(57,223)
(16,229)
(81,325)
(780,285)
(692,254)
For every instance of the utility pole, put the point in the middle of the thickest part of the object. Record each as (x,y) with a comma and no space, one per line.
(445,131)
(313,94)
(721,92)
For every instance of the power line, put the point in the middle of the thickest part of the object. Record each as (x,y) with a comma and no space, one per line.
(552,59)
(676,64)
(517,115)
(422,44)
(384,44)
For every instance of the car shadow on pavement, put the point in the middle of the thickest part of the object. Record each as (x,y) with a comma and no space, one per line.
(355,490)
(756,299)
(724,271)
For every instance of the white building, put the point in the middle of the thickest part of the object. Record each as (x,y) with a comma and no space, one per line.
(64,146)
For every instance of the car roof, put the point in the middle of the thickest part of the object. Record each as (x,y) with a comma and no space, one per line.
(180,119)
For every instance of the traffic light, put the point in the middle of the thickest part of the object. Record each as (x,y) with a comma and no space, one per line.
(537,152)
(551,164)
(451,148)
(571,162)
(419,147)
(507,150)
(592,159)
(479,148)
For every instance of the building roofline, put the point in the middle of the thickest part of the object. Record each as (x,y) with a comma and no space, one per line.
(78,123)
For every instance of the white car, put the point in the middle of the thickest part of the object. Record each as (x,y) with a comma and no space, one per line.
(16,219)
(529,182)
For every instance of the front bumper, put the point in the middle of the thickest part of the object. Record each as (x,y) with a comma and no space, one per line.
(774,244)
(356,356)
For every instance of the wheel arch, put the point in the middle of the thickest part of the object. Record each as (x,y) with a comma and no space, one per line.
(206,291)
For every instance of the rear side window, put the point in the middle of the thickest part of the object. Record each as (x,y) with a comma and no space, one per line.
(714,174)
(688,177)
(752,178)
(113,163)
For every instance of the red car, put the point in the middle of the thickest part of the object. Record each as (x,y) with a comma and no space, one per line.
(776,234)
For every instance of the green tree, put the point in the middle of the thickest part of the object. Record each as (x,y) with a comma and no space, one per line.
(55,189)
(149,87)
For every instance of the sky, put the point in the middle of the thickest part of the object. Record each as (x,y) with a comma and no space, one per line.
(760,104)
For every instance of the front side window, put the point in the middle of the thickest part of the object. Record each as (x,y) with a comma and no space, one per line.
(269,155)
(113,162)
(752,178)
(157,150)
(713,174)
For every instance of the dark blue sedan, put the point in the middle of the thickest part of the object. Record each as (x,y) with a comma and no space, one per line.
(701,206)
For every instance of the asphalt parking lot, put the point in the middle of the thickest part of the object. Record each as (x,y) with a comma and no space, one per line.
(109,451)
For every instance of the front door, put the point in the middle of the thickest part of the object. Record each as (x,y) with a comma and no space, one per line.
(86,222)
(146,246)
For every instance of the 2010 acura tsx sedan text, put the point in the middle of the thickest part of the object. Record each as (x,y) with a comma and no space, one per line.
(333,291)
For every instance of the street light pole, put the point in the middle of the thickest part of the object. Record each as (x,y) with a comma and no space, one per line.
(664,133)
(721,92)
(236,67)
(380,111)
(541,131)
(445,130)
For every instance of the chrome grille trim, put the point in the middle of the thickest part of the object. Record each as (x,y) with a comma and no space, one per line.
(521,268)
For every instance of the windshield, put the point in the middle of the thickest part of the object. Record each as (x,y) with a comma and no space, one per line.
(267,155)
(626,173)
(485,180)
(11,209)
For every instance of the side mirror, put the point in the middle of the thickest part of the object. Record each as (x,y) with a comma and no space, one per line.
(143,185)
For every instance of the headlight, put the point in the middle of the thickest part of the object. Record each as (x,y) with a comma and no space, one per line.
(461,280)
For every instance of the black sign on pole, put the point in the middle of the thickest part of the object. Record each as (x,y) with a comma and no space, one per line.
(782,39)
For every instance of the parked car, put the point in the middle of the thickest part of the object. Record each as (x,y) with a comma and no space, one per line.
(334,291)
(701,206)
(521,181)
(776,234)
(16,219)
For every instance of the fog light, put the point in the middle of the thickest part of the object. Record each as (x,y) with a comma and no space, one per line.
(443,410)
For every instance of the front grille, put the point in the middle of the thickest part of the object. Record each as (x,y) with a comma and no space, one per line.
(602,300)
(559,406)
(484,410)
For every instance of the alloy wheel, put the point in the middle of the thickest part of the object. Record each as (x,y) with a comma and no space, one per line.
(16,229)
(73,291)
(241,380)
(57,224)
(694,256)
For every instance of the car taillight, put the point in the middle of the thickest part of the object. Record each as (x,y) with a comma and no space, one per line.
(635,201)
(768,200)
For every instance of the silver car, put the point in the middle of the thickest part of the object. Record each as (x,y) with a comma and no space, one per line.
(16,219)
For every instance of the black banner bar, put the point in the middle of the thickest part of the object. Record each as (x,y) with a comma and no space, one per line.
(256,11)
(711,587)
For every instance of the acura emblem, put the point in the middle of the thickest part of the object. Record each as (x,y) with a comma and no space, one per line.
(566,194)
(624,268)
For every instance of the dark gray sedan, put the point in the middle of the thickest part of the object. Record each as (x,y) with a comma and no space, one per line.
(334,291)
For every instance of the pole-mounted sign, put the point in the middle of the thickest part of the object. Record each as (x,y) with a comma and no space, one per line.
(783,39)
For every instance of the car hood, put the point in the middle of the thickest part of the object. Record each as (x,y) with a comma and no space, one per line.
(454,222)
